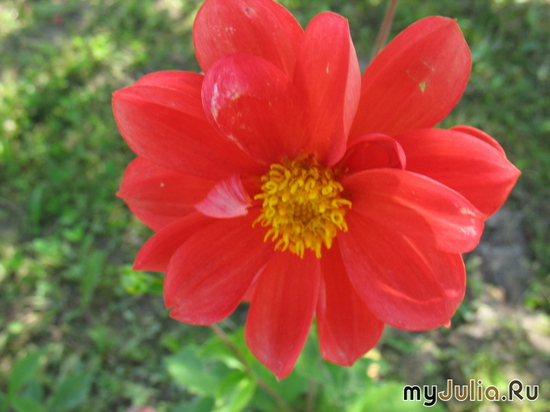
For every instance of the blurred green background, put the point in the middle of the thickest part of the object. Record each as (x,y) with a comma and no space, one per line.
(80,331)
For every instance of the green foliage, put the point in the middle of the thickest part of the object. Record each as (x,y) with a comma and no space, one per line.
(26,394)
(215,371)
(71,336)
(137,282)
(72,391)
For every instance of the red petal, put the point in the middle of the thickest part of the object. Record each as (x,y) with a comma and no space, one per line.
(185,82)
(251,290)
(282,310)
(160,196)
(227,198)
(480,134)
(347,328)
(258,27)
(159,249)
(416,206)
(373,151)
(169,128)
(404,283)
(416,80)
(254,103)
(469,164)
(210,273)
(327,74)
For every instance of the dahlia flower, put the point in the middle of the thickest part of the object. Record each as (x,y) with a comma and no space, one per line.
(284,178)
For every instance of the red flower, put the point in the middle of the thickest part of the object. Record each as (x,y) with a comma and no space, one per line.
(284,178)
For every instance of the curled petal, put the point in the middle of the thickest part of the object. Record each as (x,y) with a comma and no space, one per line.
(185,82)
(156,253)
(160,196)
(416,80)
(480,134)
(282,310)
(208,276)
(416,206)
(347,328)
(168,127)
(255,105)
(227,198)
(327,74)
(261,28)
(406,284)
(374,151)
(471,163)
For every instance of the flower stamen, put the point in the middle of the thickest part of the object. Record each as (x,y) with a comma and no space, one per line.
(302,205)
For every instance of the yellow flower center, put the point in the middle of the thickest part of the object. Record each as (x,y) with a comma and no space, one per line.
(302,205)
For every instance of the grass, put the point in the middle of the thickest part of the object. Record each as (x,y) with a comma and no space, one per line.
(79,332)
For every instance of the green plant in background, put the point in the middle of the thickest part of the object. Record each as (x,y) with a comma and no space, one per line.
(25,393)
(65,241)
(223,381)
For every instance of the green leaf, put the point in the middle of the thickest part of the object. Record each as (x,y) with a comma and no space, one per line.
(290,388)
(34,390)
(188,370)
(235,392)
(311,366)
(215,349)
(93,270)
(139,283)
(3,402)
(388,397)
(22,373)
(263,402)
(197,404)
(72,391)
(23,404)
(35,205)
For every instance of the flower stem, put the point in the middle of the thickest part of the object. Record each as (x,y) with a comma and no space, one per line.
(259,381)
(385,28)
(311,393)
